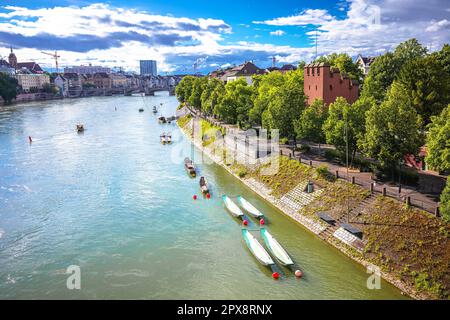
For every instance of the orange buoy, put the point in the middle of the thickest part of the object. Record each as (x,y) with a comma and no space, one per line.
(261,222)
(245,222)
(275,275)
(194,197)
(298,273)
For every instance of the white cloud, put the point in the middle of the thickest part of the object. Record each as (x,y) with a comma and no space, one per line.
(309,16)
(438,25)
(277,33)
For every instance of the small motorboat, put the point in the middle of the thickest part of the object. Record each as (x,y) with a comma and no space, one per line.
(169,138)
(141,109)
(189,166)
(162,119)
(249,208)
(80,128)
(163,138)
(232,207)
(155,110)
(204,185)
(276,249)
(257,249)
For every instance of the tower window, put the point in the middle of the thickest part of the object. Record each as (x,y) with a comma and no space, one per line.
(331,87)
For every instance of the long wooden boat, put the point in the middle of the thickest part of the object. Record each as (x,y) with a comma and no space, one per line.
(162,119)
(257,249)
(80,128)
(203,185)
(249,208)
(189,166)
(276,249)
(163,138)
(232,207)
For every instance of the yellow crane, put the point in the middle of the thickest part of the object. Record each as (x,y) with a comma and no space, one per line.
(55,56)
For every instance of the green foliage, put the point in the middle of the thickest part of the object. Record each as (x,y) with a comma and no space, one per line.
(195,99)
(234,105)
(344,63)
(438,141)
(264,84)
(427,85)
(323,172)
(8,87)
(345,120)
(285,106)
(385,69)
(444,205)
(392,129)
(184,89)
(242,172)
(309,126)
(212,92)
(183,121)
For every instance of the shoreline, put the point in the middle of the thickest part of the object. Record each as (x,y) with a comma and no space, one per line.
(263,192)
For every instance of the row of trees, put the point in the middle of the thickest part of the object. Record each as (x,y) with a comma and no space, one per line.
(405,95)
(8,88)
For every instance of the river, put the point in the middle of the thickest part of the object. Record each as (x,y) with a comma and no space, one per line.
(118,204)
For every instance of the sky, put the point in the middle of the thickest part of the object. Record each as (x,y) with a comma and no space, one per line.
(213,34)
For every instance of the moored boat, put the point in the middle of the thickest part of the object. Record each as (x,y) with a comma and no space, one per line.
(249,208)
(276,249)
(257,249)
(169,138)
(189,166)
(204,185)
(80,128)
(141,109)
(232,207)
(163,138)
(162,119)
(155,110)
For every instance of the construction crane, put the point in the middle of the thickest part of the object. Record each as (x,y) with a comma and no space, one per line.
(55,56)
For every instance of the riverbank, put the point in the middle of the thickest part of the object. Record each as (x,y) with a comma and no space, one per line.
(394,242)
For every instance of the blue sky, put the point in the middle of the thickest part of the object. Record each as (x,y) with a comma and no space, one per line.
(214,34)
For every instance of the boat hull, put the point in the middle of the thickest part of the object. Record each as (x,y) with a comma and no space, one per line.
(232,207)
(257,249)
(248,207)
(276,249)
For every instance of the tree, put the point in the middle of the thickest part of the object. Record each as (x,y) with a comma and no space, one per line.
(444,205)
(443,57)
(344,63)
(385,69)
(233,107)
(195,99)
(286,104)
(346,121)
(409,50)
(392,129)
(309,126)
(265,83)
(8,88)
(381,74)
(184,88)
(427,85)
(212,92)
(438,142)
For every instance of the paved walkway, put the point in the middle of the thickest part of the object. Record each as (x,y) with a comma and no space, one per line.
(425,201)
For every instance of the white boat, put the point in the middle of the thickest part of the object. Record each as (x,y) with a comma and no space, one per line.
(275,248)
(249,208)
(163,138)
(232,207)
(169,138)
(256,248)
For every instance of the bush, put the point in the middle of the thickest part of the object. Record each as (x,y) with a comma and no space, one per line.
(242,172)
(332,154)
(303,148)
(444,205)
(323,172)
(284,141)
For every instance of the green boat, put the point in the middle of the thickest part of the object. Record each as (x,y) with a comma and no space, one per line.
(276,249)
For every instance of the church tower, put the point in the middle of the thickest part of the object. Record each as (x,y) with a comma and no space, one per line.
(12,59)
